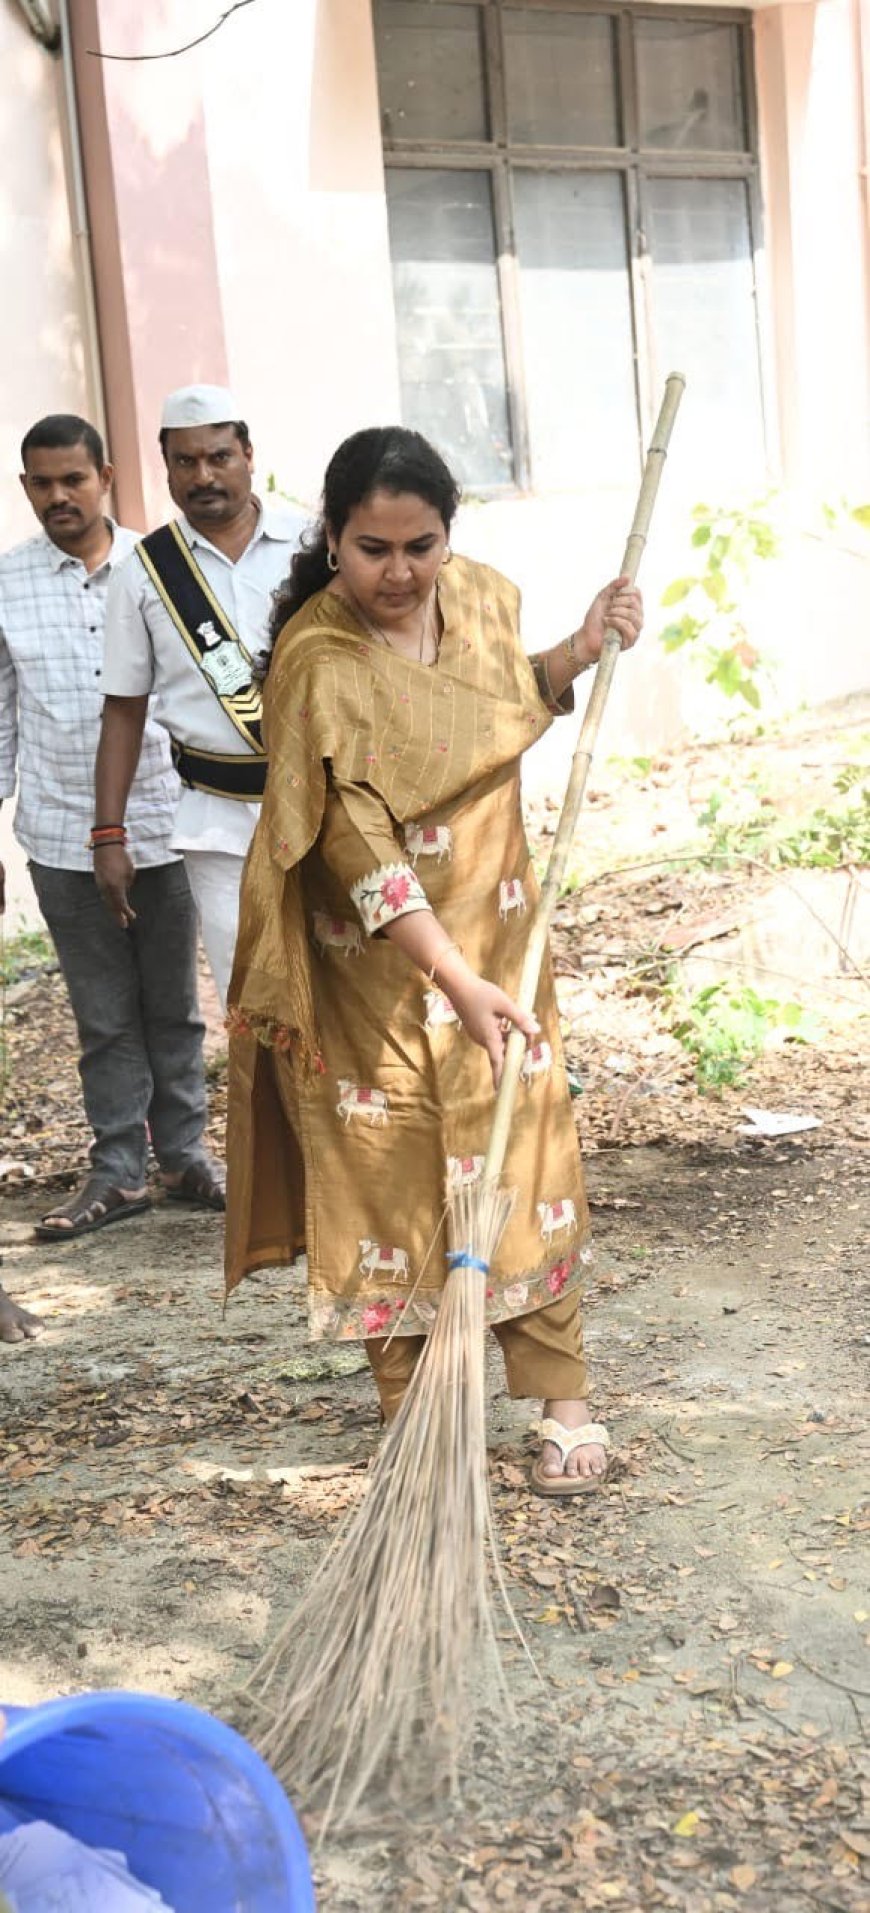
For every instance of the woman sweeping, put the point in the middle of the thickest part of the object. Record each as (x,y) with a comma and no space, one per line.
(388,882)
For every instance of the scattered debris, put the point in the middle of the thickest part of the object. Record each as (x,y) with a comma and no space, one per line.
(771,1122)
(697,1738)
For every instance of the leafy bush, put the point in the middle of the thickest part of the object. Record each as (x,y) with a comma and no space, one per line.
(835,836)
(25,955)
(828,837)
(733,542)
(723,1028)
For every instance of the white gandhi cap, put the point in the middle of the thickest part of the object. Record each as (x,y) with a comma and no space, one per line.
(199,405)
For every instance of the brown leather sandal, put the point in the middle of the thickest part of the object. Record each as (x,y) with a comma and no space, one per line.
(202,1186)
(96,1205)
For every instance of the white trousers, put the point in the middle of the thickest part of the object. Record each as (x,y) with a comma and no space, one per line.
(215,878)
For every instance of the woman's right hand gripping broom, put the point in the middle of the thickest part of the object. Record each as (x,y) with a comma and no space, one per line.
(486,1013)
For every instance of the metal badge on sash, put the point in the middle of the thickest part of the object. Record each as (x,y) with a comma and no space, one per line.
(205,628)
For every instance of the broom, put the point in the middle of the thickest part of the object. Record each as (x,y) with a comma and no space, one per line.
(374,1687)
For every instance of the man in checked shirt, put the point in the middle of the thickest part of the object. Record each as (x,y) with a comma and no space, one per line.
(133,990)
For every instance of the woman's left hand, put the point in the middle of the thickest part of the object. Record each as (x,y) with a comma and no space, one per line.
(619,607)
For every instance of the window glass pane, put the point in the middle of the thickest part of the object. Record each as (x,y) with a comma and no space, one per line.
(690,87)
(576,319)
(430,71)
(451,356)
(561,78)
(704,321)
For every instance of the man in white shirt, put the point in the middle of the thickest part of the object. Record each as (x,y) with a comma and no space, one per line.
(133,992)
(186,620)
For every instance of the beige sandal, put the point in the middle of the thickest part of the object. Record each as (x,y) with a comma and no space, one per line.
(592,1434)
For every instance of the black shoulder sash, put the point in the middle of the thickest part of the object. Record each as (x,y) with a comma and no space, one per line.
(205,628)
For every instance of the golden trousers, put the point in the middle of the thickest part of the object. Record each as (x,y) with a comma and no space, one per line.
(543,1357)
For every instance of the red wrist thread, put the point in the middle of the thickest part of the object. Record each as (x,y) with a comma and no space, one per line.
(107,834)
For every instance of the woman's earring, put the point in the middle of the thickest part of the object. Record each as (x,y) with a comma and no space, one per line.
(447,555)
(331,561)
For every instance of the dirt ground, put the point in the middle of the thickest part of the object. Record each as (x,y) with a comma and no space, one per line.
(699,1738)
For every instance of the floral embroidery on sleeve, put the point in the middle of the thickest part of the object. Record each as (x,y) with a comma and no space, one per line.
(394,890)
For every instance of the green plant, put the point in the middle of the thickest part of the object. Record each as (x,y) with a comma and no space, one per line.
(723,1027)
(833,836)
(736,829)
(839,515)
(733,542)
(25,955)
(740,829)
(637,766)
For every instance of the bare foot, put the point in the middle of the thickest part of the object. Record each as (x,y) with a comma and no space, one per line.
(16,1324)
(589,1461)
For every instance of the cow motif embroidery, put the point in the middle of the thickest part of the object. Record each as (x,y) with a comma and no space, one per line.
(428,840)
(357,1099)
(463,1170)
(383,1258)
(511,896)
(538,1061)
(439,1010)
(336,933)
(556,1216)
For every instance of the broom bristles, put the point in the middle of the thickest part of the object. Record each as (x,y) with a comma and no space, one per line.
(388,1662)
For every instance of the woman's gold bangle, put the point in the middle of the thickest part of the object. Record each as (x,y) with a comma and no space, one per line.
(571,654)
(442,953)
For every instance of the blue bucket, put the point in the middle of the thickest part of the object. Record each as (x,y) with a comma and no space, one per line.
(195,1810)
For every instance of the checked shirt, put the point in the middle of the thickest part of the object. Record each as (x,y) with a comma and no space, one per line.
(51,700)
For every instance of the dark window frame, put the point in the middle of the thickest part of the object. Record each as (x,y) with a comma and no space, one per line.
(500,157)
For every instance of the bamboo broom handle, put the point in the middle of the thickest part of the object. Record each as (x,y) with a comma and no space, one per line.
(537,943)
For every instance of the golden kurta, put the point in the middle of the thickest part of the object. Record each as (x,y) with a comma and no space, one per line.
(357,1102)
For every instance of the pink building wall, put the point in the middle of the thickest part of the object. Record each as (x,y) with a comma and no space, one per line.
(240,227)
(42,355)
(42,361)
(813,134)
(158,296)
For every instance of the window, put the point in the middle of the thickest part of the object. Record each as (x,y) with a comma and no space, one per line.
(572,201)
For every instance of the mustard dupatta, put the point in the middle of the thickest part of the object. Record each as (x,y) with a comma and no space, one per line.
(417,736)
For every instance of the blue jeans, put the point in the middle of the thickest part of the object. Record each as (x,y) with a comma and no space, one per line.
(134,997)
